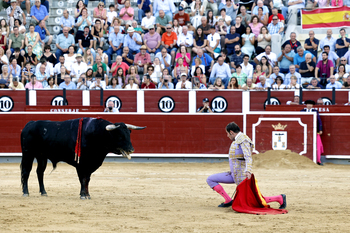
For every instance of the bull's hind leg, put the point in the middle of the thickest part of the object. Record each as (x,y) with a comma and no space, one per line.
(26,167)
(84,182)
(40,173)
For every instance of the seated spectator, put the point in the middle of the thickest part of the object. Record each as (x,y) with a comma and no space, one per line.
(42,75)
(16,84)
(343,61)
(16,40)
(221,70)
(132,73)
(33,84)
(272,57)
(164,58)
(296,101)
(121,77)
(48,68)
(169,40)
(292,72)
(83,83)
(30,56)
(165,84)
(131,85)
(19,57)
(257,73)
(247,68)
(127,14)
(199,74)
(14,12)
(182,17)
(231,11)
(226,19)
(45,37)
(162,22)
(275,27)
(38,13)
(328,40)
(148,21)
(207,61)
(27,73)
(133,41)
(155,71)
(197,63)
(14,68)
(6,75)
(231,40)
(233,84)
(127,56)
(324,69)
(311,43)
(50,57)
(275,74)
(244,16)
(342,44)
(147,84)
(51,84)
(255,26)
(116,40)
(237,57)
(332,56)
(197,11)
(117,23)
(346,84)
(306,69)
(240,76)
(333,83)
(279,16)
(249,85)
(97,34)
(205,108)
(299,57)
(278,85)
(22,29)
(293,7)
(142,60)
(79,68)
(67,84)
(166,6)
(286,58)
(32,38)
(183,83)
(292,42)
(341,75)
(98,64)
(265,66)
(264,39)
(98,84)
(186,56)
(214,46)
(5,29)
(185,39)
(63,41)
(79,8)
(248,40)
(99,72)
(68,21)
(83,21)
(180,68)
(200,41)
(177,28)
(89,75)
(223,54)
(217,84)
(260,4)
(262,85)
(168,76)
(264,18)
(88,58)
(113,84)
(293,83)
(152,41)
(119,63)
(100,13)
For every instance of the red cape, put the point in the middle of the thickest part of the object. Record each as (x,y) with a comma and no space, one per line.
(249,200)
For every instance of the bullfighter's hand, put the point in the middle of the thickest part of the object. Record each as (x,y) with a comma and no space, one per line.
(248,175)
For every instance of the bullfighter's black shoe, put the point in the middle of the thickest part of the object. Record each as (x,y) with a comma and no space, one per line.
(225,204)
(284,204)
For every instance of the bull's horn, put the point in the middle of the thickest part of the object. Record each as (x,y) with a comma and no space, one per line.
(111,127)
(134,127)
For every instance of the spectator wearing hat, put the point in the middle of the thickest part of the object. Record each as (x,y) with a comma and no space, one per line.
(116,40)
(33,84)
(169,40)
(144,6)
(15,84)
(86,41)
(167,6)
(68,84)
(152,40)
(205,108)
(182,17)
(148,21)
(78,68)
(133,41)
(162,22)
(183,83)
(142,60)
(147,84)
(14,11)
(38,12)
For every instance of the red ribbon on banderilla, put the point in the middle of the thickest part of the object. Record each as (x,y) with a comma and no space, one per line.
(78,142)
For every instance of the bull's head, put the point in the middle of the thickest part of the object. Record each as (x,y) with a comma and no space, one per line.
(121,136)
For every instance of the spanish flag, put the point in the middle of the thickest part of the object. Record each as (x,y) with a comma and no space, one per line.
(326,18)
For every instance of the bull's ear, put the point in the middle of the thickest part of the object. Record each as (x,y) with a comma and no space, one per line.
(112,127)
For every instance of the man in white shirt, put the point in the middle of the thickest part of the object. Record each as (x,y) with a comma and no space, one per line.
(214,42)
(333,83)
(165,58)
(247,68)
(48,69)
(185,39)
(184,83)
(57,68)
(328,40)
(220,70)
(148,21)
(78,68)
(291,73)
(263,85)
(270,55)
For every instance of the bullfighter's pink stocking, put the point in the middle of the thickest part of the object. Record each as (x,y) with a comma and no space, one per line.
(220,190)
(278,199)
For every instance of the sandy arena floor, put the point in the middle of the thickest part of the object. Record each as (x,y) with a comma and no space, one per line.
(174,197)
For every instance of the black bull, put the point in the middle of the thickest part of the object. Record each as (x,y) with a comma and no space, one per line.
(56,141)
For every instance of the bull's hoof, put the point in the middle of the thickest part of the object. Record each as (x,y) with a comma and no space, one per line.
(26,195)
(84,197)
(44,194)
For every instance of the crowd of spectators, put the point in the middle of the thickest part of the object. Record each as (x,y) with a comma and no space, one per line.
(197,45)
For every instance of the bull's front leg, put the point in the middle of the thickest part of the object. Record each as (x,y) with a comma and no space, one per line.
(40,173)
(84,185)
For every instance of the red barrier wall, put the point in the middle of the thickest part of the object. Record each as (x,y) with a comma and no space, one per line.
(127,98)
(44,97)
(152,98)
(18,97)
(233,98)
(165,133)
